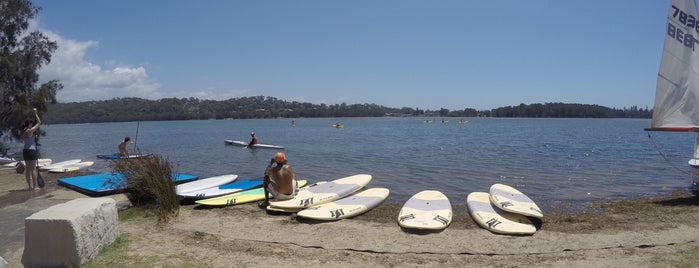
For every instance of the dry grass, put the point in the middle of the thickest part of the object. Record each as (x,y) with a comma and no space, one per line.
(150,185)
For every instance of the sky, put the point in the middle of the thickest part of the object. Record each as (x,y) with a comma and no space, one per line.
(396,53)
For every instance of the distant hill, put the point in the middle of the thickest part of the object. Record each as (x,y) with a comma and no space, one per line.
(137,109)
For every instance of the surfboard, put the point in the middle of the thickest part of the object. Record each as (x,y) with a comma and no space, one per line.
(512,200)
(259,145)
(60,164)
(242,197)
(116,156)
(346,207)
(7,160)
(228,188)
(42,162)
(108,183)
(428,210)
(72,167)
(324,193)
(204,183)
(495,220)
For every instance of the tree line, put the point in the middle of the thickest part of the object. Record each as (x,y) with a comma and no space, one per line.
(259,107)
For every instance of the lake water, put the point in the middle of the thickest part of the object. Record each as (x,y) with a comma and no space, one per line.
(554,161)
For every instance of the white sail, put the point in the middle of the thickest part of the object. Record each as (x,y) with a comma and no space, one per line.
(677,95)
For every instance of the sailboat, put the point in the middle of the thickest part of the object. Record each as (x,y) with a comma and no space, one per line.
(676,106)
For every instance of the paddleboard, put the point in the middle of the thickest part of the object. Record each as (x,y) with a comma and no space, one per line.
(495,220)
(259,145)
(108,183)
(347,207)
(116,156)
(512,200)
(60,164)
(72,167)
(324,193)
(428,209)
(7,160)
(242,197)
(204,183)
(42,162)
(224,189)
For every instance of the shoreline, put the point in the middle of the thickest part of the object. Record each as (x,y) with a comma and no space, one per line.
(641,232)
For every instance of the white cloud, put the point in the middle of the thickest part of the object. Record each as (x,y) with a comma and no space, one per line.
(84,80)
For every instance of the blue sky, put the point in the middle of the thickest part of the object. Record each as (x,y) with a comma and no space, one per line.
(403,53)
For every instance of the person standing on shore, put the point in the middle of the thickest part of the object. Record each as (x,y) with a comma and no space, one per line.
(279,180)
(30,152)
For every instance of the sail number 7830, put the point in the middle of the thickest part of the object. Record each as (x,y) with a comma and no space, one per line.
(687,20)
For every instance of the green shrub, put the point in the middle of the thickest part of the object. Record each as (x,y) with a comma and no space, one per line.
(150,185)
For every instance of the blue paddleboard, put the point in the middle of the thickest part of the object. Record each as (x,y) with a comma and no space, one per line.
(108,183)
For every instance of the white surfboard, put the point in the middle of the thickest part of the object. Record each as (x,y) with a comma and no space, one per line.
(428,209)
(201,184)
(71,167)
(259,145)
(41,162)
(510,199)
(494,219)
(324,193)
(60,164)
(347,207)
(293,210)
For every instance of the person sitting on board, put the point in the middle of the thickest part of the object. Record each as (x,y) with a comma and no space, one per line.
(254,139)
(30,152)
(279,180)
(123,151)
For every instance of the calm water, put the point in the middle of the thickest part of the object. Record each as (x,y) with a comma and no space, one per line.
(554,161)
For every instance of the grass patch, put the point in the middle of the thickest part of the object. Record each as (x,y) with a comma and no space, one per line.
(150,185)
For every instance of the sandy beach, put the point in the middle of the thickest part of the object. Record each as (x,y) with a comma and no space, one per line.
(657,232)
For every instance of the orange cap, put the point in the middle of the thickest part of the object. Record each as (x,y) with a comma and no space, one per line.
(279,157)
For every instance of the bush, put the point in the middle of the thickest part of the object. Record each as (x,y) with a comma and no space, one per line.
(150,185)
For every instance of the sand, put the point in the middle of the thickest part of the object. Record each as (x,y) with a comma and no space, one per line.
(651,232)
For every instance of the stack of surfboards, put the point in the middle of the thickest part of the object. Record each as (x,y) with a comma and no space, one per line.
(67,166)
(242,197)
(426,210)
(223,189)
(503,210)
(333,200)
(195,188)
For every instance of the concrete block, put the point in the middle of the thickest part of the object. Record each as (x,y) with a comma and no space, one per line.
(69,234)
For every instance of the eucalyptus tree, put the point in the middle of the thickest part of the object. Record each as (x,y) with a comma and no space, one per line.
(22,53)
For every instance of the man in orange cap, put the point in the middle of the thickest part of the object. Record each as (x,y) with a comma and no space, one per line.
(280,180)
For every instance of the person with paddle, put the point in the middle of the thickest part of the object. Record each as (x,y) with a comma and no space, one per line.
(123,151)
(279,180)
(30,152)
(253,141)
